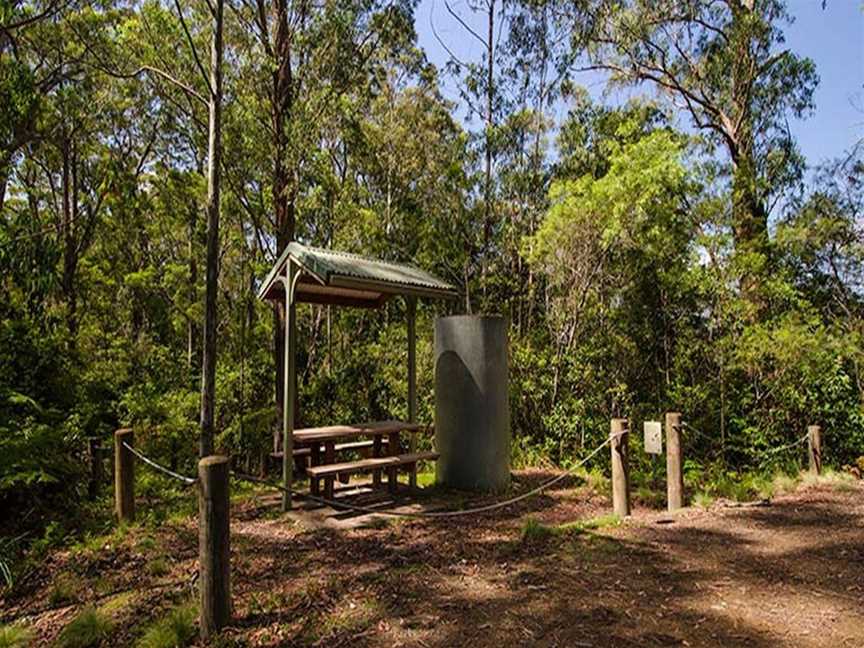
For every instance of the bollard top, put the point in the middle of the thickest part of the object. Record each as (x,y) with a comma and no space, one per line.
(122,432)
(213,460)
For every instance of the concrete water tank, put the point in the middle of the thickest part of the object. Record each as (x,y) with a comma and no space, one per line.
(472,404)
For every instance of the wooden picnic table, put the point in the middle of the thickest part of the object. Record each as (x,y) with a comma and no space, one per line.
(329,435)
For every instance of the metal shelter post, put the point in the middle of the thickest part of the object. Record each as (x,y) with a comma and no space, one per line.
(411,303)
(289,385)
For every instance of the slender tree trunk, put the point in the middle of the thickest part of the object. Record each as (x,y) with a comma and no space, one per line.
(5,171)
(749,215)
(70,248)
(283,190)
(214,155)
(191,329)
(487,182)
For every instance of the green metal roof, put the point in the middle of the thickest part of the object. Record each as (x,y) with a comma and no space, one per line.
(331,277)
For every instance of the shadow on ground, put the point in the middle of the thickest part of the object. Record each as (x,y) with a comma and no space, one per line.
(723,578)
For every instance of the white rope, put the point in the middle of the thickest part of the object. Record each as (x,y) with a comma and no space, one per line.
(789,445)
(436,514)
(186,480)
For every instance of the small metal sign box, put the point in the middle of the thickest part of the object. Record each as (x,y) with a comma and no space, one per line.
(653,437)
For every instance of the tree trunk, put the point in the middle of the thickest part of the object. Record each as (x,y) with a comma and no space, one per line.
(70,248)
(283,190)
(191,329)
(214,155)
(749,216)
(487,182)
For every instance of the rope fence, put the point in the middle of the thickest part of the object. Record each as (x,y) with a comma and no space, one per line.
(345,506)
(433,514)
(214,509)
(798,442)
(188,481)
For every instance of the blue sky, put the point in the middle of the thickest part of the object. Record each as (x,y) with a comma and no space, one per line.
(833,38)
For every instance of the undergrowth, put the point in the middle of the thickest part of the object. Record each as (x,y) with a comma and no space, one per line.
(15,636)
(173,630)
(89,628)
(533,530)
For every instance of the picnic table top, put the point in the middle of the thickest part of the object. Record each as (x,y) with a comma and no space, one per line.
(374,428)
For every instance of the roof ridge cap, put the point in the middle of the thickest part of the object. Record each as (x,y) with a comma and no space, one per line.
(362,257)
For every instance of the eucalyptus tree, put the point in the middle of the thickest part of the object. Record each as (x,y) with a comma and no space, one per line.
(481,89)
(725,64)
(300,61)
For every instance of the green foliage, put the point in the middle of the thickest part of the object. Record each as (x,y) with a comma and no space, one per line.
(87,630)
(173,630)
(535,531)
(15,636)
(627,255)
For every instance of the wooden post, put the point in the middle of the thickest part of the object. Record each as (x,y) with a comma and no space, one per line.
(214,547)
(96,472)
(814,448)
(674,462)
(412,382)
(620,474)
(288,386)
(124,476)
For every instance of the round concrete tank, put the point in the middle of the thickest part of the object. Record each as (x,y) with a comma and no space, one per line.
(472,403)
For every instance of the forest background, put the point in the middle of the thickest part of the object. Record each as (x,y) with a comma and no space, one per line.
(658,241)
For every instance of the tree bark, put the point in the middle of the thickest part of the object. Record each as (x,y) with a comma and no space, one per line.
(70,247)
(191,329)
(487,183)
(749,215)
(214,155)
(283,190)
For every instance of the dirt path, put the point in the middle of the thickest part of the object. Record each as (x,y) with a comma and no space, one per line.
(788,574)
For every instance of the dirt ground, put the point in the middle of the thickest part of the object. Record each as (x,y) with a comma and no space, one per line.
(787,574)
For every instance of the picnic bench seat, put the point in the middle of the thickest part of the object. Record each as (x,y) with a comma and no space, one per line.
(306,451)
(391,464)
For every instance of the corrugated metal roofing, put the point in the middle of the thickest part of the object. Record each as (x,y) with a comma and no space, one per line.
(347,270)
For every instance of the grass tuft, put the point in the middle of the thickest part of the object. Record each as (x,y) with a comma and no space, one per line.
(830,479)
(535,531)
(86,630)
(173,630)
(158,567)
(64,590)
(703,500)
(15,636)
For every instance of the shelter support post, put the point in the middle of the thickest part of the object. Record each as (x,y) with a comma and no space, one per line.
(620,471)
(289,386)
(814,448)
(411,303)
(674,471)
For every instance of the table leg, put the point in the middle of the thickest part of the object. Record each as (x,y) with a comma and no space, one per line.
(394,448)
(392,483)
(394,445)
(316,454)
(376,452)
(329,458)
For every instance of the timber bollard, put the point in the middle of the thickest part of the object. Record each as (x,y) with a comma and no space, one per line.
(96,472)
(124,476)
(814,448)
(620,472)
(214,551)
(674,462)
